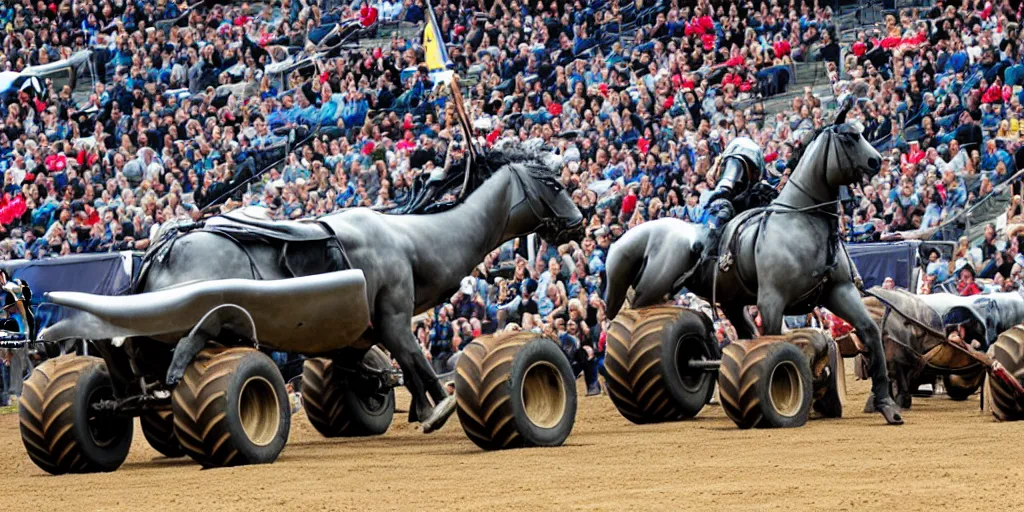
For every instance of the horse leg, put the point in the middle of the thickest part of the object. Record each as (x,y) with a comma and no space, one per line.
(658,276)
(899,376)
(904,392)
(771,305)
(741,321)
(394,333)
(843,299)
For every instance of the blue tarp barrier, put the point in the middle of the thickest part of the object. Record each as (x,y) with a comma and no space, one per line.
(876,261)
(101,274)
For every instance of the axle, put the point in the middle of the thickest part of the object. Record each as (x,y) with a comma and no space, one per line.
(708,365)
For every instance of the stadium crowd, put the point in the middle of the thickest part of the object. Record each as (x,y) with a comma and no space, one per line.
(640,98)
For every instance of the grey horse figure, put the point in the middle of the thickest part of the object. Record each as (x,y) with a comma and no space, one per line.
(786,258)
(914,330)
(411,262)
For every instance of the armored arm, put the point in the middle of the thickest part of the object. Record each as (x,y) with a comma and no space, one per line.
(740,154)
(732,174)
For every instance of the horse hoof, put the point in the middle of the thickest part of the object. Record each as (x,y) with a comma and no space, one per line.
(439,415)
(870,406)
(887,407)
(892,416)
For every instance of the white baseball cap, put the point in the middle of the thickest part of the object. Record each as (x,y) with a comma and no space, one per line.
(468,285)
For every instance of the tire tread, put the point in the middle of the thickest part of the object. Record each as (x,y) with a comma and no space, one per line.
(158,429)
(483,390)
(45,415)
(204,385)
(633,359)
(739,377)
(1009,351)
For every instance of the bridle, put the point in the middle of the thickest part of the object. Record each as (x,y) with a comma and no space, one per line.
(522,197)
(820,204)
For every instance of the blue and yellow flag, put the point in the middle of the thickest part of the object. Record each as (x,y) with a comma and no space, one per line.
(433,45)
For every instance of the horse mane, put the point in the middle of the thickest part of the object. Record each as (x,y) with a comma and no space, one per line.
(511,151)
(840,118)
(528,158)
(805,142)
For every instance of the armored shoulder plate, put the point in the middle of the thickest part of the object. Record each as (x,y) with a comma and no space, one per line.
(748,150)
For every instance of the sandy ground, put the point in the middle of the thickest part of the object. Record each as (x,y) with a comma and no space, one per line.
(948,456)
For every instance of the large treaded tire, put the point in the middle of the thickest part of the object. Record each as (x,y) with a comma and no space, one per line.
(158,429)
(335,410)
(645,370)
(961,387)
(765,383)
(231,408)
(1000,398)
(515,390)
(54,414)
(830,403)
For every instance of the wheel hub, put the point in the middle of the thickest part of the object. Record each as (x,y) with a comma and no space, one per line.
(785,389)
(105,427)
(690,349)
(259,411)
(543,395)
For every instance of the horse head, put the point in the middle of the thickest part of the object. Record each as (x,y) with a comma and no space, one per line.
(838,155)
(542,201)
(853,157)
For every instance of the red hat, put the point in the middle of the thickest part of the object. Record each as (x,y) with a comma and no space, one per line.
(368,148)
(555,109)
(603,88)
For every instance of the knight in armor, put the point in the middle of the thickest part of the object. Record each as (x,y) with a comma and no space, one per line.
(739,187)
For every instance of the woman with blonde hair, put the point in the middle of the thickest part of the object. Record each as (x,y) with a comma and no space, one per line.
(1004,130)
(962,253)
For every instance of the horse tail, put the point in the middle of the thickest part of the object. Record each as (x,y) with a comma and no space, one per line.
(626,261)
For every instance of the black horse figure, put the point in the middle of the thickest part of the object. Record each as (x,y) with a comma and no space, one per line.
(410,262)
(786,258)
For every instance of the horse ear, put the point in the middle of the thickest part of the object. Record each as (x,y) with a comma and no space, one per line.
(845,106)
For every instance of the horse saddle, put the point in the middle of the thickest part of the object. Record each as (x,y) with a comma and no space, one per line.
(303,248)
(728,245)
(255,222)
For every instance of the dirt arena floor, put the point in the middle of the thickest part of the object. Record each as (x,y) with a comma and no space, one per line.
(948,456)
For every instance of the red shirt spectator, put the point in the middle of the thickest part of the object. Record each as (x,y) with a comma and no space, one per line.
(782,48)
(734,61)
(708,40)
(967,287)
(891,42)
(913,156)
(56,163)
(629,203)
(994,94)
(367,15)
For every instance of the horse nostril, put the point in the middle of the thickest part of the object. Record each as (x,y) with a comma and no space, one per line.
(875,163)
